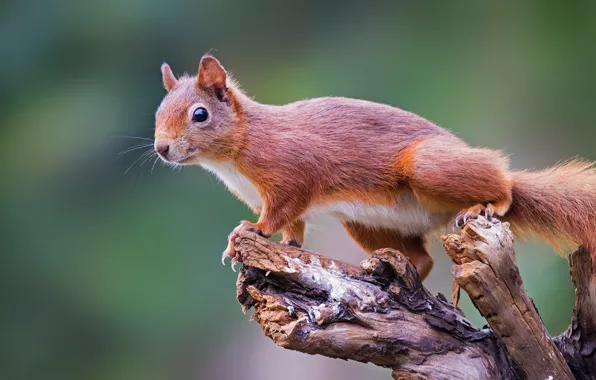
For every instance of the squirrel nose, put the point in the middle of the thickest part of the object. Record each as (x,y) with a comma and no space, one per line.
(162,149)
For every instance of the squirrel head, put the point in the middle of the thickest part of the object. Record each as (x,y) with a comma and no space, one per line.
(198,117)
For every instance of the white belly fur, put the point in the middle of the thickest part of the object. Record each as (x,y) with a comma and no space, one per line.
(235,181)
(408,216)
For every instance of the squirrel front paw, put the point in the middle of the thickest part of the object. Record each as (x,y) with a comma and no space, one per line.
(230,250)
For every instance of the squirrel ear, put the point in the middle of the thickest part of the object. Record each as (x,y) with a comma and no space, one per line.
(167,77)
(212,76)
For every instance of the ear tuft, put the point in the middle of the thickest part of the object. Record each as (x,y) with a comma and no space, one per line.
(212,76)
(167,77)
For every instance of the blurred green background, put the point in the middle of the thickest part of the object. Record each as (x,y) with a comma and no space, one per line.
(108,274)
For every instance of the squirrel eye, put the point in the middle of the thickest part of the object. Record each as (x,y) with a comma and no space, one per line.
(200,115)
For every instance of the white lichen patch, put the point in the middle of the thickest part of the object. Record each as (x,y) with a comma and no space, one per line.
(316,311)
(339,288)
(291,266)
(333,268)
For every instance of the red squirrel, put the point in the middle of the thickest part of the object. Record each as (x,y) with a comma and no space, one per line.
(390,176)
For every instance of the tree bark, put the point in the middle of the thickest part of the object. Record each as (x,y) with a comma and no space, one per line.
(380,312)
(485,268)
(578,343)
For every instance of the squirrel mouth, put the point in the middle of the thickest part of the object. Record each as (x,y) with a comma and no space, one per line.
(186,160)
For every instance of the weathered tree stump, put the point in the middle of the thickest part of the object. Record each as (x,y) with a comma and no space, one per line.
(380,312)
(578,343)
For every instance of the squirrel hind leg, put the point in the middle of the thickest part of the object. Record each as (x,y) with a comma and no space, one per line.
(373,238)
(293,233)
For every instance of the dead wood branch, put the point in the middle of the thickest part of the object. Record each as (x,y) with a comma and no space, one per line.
(578,343)
(380,312)
(486,269)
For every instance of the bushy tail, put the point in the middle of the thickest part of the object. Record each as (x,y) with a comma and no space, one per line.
(558,204)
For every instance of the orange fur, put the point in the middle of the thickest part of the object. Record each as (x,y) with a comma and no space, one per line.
(390,176)
(405,162)
(558,203)
(451,175)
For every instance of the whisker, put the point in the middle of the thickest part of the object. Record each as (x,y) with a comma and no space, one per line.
(129,137)
(149,157)
(314,227)
(135,147)
(144,155)
(173,165)
(210,176)
(154,162)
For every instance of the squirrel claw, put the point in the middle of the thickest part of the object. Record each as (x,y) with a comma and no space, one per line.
(231,250)
(234,262)
(474,212)
(234,258)
(489,211)
(231,253)
(461,219)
